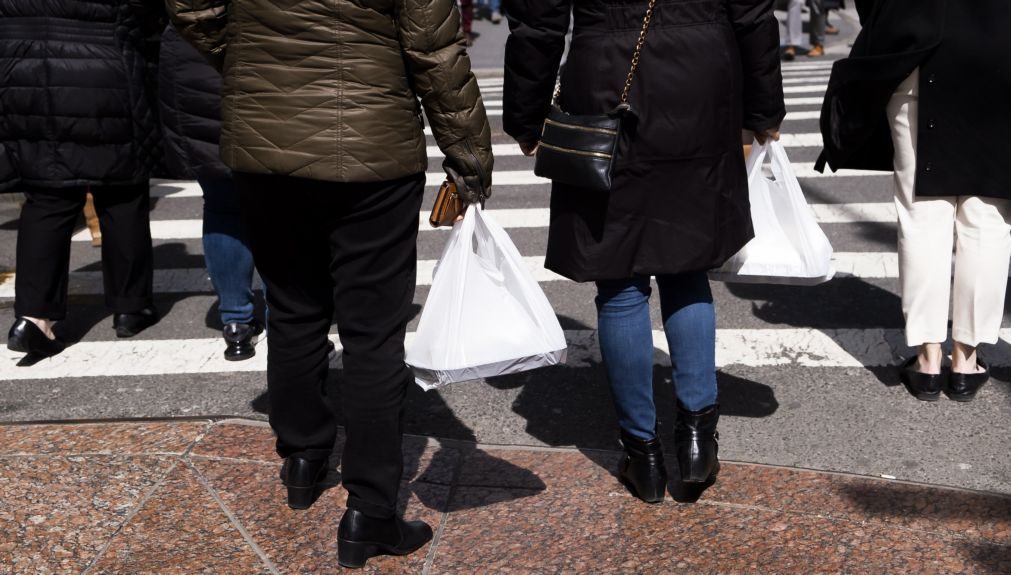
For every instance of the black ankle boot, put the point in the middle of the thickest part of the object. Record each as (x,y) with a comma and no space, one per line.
(303,477)
(695,439)
(360,537)
(240,340)
(642,471)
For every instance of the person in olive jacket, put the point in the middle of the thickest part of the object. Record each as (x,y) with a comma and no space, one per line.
(77,114)
(924,92)
(678,205)
(324,133)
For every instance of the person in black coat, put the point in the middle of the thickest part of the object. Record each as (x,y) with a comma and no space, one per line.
(189,90)
(77,114)
(924,93)
(678,205)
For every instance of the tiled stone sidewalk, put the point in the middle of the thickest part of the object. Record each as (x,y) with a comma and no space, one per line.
(204,498)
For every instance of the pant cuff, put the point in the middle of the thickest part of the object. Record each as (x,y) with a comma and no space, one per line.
(45,311)
(973,339)
(120,304)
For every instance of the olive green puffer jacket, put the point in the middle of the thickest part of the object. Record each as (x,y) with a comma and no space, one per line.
(329,89)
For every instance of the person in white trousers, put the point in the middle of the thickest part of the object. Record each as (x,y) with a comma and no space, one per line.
(979,229)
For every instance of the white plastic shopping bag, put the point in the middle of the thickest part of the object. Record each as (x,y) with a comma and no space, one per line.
(485,313)
(789,247)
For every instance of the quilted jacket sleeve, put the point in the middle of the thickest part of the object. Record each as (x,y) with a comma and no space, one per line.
(203,23)
(439,67)
(537,30)
(757,33)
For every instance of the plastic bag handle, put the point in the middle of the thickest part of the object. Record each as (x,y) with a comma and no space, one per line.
(756,159)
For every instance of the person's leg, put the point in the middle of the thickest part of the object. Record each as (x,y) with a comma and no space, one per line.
(127,254)
(43,253)
(982,255)
(926,237)
(294,266)
(626,345)
(817,31)
(226,251)
(373,262)
(689,321)
(467,19)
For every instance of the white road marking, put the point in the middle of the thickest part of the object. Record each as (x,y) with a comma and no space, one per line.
(802,347)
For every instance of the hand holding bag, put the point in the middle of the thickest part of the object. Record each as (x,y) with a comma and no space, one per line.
(485,314)
(789,247)
(581,150)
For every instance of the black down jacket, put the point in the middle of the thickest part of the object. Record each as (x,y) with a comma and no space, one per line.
(74,106)
(189,90)
(679,199)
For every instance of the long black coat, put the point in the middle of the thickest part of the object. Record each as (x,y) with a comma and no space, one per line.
(189,90)
(75,108)
(679,200)
(963,50)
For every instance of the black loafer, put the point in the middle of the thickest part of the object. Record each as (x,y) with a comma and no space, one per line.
(303,477)
(240,340)
(26,337)
(922,386)
(360,537)
(963,386)
(130,324)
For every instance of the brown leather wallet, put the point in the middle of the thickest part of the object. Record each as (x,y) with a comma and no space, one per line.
(447,206)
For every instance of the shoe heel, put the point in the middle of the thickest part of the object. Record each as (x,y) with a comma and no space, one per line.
(354,554)
(300,497)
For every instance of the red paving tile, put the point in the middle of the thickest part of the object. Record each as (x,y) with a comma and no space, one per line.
(102,495)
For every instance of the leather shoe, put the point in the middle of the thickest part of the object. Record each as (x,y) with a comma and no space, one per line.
(790,54)
(816,51)
(696,443)
(26,337)
(302,478)
(642,471)
(240,340)
(963,386)
(922,386)
(130,324)
(360,537)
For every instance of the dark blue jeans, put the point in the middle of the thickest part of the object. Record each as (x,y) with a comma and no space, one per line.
(226,251)
(626,344)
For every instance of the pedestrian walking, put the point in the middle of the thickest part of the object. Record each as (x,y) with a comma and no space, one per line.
(493,10)
(323,131)
(925,97)
(678,202)
(190,95)
(77,117)
(467,21)
(817,28)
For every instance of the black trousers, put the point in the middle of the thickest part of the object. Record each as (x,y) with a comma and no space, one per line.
(43,252)
(344,251)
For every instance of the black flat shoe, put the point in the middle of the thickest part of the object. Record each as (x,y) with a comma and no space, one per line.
(963,386)
(240,340)
(26,337)
(922,386)
(130,324)
(642,470)
(303,478)
(360,537)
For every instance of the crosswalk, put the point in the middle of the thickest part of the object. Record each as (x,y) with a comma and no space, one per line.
(854,207)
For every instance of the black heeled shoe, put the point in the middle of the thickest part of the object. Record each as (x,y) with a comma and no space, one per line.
(240,340)
(643,471)
(360,537)
(696,443)
(922,386)
(130,324)
(26,337)
(964,386)
(303,478)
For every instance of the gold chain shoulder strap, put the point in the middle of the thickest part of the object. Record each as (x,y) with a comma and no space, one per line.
(638,51)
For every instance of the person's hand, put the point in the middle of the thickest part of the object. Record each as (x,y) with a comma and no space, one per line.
(471,189)
(765,135)
(529,148)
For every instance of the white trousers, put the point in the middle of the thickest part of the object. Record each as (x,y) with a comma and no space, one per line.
(794,25)
(978,228)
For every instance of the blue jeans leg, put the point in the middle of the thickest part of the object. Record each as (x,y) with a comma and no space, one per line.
(626,344)
(226,251)
(689,321)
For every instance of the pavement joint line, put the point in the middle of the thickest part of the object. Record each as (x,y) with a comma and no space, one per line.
(259,462)
(232,518)
(153,455)
(445,518)
(129,516)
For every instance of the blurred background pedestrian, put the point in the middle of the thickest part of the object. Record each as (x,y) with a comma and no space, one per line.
(816,28)
(78,115)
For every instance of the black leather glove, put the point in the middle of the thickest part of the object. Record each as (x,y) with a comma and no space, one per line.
(471,189)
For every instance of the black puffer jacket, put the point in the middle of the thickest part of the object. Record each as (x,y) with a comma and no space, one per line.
(74,107)
(189,90)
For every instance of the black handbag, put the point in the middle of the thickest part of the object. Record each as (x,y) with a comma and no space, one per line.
(579,150)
